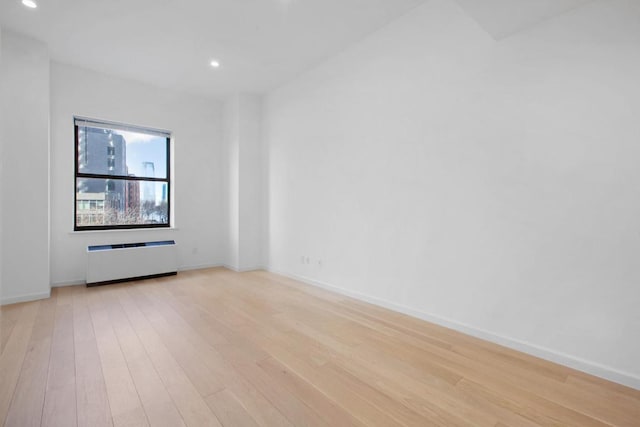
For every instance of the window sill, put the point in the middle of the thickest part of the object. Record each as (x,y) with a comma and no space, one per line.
(128,230)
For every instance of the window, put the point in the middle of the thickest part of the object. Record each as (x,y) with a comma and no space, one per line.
(121,176)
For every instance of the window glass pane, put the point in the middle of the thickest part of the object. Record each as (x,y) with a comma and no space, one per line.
(119,152)
(101,202)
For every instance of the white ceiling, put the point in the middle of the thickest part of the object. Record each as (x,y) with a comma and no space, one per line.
(502,18)
(260,43)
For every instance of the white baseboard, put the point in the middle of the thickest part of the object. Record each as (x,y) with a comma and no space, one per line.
(245,269)
(560,358)
(25,298)
(76,282)
(198,267)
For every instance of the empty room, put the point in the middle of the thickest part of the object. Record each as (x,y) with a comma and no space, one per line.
(320,213)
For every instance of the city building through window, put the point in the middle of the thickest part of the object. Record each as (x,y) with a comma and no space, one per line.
(122,176)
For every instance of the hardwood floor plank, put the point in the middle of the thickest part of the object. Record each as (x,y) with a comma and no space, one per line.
(13,355)
(361,399)
(156,401)
(536,410)
(60,407)
(296,411)
(257,405)
(309,394)
(430,398)
(126,408)
(60,399)
(486,359)
(8,317)
(29,395)
(192,407)
(92,402)
(213,347)
(229,409)
(178,338)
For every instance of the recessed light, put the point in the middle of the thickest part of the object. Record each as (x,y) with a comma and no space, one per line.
(214,63)
(30,4)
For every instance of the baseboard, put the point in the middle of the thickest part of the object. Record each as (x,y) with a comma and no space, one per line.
(75,282)
(244,270)
(560,358)
(199,267)
(25,298)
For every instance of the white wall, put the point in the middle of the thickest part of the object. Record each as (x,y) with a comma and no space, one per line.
(491,186)
(231,168)
(251,186)
(244,182)
(24,179)
(1,168)
(197,149)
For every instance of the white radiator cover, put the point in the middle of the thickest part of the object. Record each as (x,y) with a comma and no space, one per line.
(112,263)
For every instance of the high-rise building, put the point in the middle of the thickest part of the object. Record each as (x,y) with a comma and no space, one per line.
(102,151)
(149,188)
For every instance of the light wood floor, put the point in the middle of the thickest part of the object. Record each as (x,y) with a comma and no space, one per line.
(213,347)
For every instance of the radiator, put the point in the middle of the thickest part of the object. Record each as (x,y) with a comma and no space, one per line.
(130,261)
